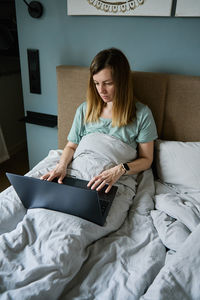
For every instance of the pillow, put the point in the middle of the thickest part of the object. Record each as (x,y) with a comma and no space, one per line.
(178,163)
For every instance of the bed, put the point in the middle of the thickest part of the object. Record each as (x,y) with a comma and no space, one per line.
(149,248)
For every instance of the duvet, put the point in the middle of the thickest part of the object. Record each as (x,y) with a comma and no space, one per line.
(51,255)
(177,219)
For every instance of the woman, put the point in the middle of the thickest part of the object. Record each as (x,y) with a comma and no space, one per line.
(111,108)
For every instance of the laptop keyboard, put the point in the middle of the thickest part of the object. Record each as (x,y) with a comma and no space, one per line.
(103,197)
(104,205)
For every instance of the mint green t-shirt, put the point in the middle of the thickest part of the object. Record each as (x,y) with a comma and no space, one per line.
(141,130)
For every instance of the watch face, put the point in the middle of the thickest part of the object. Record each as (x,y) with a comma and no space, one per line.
(126,167)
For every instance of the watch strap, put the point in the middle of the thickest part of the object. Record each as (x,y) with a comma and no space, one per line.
(126,167)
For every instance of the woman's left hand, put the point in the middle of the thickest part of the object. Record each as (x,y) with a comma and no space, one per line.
(109,177)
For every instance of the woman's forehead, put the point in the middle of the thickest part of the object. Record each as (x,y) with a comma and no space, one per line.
(104,74)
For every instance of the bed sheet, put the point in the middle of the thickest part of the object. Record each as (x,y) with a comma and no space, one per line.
(50,255)
(176,214)
(177,219)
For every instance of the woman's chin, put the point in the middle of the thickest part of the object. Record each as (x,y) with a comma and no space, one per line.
(106,99)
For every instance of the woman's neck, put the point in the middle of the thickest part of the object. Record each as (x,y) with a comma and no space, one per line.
(107,111)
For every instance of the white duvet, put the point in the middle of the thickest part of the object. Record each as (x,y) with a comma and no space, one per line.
(51,255)
(177,220)
(177,214)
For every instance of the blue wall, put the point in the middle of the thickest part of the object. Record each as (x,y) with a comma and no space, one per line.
(157,44)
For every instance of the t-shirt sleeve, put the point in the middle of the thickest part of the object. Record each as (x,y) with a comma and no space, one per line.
(147,127)
(76,131)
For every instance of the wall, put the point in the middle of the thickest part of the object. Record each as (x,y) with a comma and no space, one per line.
(157,44)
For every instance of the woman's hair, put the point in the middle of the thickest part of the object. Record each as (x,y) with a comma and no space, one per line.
(123,110)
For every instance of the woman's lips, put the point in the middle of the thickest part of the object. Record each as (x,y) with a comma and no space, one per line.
(104,97)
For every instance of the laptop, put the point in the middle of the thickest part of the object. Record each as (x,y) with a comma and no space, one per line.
(72,197)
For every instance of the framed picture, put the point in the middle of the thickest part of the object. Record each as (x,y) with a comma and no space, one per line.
(120,7)
(187,8)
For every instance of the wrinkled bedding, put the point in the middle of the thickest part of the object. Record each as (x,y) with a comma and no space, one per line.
(176,214)
(50,255)
(148,249)
(177,219)
(123,264)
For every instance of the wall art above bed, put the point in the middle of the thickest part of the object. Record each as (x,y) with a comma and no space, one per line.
(120,7)
(185,8)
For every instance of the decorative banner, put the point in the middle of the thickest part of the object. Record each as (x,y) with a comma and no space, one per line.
(116,6)
(188,8)
(120,7)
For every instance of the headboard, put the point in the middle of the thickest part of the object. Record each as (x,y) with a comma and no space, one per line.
(173,99)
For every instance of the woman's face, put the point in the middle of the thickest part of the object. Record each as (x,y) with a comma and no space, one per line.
(104,84)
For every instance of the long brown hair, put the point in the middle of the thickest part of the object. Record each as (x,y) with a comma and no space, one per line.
(123,110)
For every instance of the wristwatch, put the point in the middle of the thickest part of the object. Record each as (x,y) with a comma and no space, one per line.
(125,167)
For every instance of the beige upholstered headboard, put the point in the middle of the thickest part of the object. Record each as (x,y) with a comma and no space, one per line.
(173,99)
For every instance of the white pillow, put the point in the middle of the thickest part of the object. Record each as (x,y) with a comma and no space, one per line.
(178,163)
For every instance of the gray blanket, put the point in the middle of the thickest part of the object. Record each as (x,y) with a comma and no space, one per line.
(47,255)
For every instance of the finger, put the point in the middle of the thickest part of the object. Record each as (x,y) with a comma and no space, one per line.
(60,179)
(101,177)
(92,181)
(108,188)
(101,185)
(98,183)
(51,177)
(44,177)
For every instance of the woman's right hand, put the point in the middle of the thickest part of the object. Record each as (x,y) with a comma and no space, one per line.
(59,172)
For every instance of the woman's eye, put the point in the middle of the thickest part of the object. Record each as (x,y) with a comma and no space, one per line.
(104,84)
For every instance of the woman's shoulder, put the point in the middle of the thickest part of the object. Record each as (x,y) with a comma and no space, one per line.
(143,112)
(81,108)
(82,105)
(141,108)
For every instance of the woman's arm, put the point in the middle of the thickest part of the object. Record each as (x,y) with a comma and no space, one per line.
(143,162)
(61,168)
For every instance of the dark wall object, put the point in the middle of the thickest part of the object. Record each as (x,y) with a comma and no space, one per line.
(34,71)
(35,9)
(40,119)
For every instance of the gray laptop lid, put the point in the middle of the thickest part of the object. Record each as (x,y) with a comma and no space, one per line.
(72,197)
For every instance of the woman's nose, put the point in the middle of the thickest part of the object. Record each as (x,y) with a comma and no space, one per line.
(101,88)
